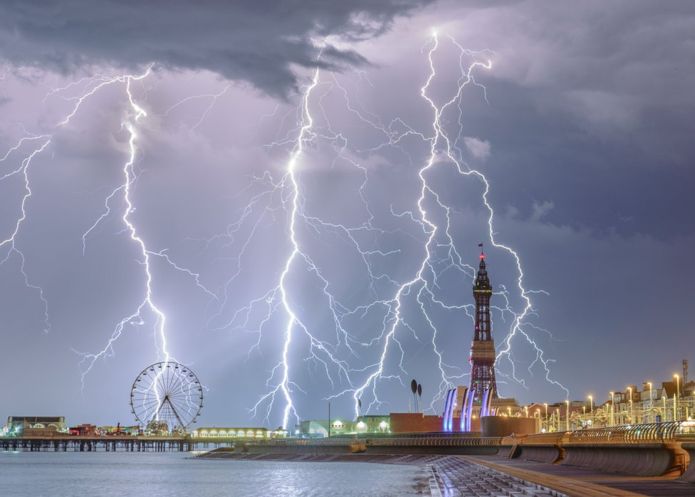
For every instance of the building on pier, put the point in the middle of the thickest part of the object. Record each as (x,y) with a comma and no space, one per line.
(83,430)
(35,425)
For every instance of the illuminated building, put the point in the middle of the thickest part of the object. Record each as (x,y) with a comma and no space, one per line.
(35,425)
(221,432)
(368,424)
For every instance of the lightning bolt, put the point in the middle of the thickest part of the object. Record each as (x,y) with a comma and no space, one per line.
(41,142)
(129,177)
(147,307)
(319,350)
(98,82)
(292,321)
(148,303)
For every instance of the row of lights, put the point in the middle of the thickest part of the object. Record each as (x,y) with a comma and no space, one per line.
(676,377)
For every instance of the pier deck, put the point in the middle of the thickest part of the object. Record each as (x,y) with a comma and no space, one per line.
(122,443)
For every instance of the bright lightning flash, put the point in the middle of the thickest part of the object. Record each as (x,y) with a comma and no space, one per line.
(129,177)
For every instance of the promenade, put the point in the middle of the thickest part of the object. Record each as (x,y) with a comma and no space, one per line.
(575,481)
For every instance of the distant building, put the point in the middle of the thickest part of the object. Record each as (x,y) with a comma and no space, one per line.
(375,423)
(312,429)
(415,422)
(133,430)
(367,424)
(214,432)
(35,425)
(83,430)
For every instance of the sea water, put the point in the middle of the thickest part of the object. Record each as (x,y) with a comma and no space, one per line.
(121,474)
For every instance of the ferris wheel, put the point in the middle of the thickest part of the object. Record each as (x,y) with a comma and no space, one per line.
(166,395)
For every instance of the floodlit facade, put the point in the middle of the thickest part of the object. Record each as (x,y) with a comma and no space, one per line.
(214,432)
(368,424)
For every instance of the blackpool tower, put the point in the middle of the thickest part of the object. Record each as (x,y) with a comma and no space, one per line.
(483,386)
(476,401)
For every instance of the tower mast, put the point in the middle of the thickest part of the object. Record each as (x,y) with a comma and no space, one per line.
(483,385)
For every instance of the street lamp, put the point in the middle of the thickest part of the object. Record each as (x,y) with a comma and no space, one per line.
(547,427)
(612,408)
(591,409)
(567,415)
(675,398)
(557,412)
(632,419)
(651,401)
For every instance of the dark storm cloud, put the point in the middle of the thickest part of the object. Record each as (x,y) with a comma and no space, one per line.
(590,108)
(250,40)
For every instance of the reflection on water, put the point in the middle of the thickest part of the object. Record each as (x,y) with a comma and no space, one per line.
(172,475)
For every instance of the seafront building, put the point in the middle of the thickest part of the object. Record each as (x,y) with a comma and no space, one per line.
(368,424)
(35,425)
(238,432)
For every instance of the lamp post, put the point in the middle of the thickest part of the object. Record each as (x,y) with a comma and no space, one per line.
(675,397)
(557,413)
(612,408)
(591,409)
(632,419)
(567,415)
(547,426)
(651,401)
(584,416)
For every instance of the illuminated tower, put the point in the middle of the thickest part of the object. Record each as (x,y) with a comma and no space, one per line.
(483,386)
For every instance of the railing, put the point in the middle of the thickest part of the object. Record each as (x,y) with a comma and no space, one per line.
(551,438)
(399,441)
(434,442)
(633,434)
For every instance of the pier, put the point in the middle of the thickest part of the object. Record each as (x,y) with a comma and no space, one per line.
(65,443)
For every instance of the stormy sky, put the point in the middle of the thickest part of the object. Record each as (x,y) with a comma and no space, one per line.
(582,126)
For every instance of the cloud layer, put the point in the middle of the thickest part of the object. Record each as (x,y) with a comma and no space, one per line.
(254,41)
